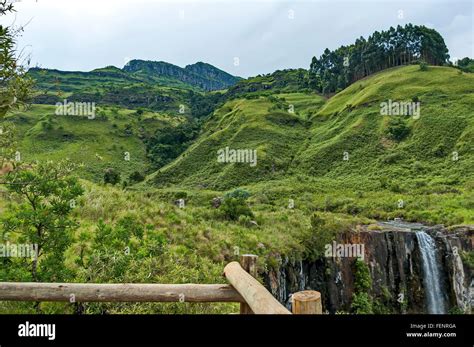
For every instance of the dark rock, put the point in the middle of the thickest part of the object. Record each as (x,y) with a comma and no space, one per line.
(394,260)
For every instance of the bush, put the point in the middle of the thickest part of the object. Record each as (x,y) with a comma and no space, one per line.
(136,177)
(398,129)
(440,150)
(361,300)
(235,204)
(324,229)
(423,66)
(111,176)
(362,304)
(238,193)
(233,208)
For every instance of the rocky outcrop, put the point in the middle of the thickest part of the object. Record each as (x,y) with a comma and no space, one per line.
(395,263)
(201,75)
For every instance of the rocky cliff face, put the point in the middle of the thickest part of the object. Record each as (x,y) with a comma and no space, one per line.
(201,75)
(395,262)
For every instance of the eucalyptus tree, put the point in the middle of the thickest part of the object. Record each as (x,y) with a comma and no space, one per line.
(337,69)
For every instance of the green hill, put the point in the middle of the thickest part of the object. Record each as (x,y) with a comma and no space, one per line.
(98,143)
(352,122)
(262,124)
(349,122)
(300,139)
(200,75)
(157,86)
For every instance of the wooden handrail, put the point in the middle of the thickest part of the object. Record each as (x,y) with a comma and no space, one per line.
(255,295)
(244,289)
(88,292)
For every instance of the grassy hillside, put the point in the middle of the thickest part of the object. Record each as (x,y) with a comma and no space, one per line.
(304,159)
(264,124)
(98,143)
(351,122)
(113,87)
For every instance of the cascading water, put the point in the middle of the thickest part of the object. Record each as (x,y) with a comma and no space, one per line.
(431,273)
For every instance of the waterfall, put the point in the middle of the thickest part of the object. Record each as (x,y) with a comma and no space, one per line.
(431,273)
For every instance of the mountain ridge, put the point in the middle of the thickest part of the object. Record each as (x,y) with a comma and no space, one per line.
(202,75)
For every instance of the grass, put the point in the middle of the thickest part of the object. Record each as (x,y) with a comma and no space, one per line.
(97,143)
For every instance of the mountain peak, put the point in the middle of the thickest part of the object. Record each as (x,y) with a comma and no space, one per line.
(200,74)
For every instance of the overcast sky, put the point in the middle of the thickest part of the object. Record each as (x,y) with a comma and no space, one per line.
(260,35)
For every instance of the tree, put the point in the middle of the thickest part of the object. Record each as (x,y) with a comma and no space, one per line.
(47,194)
(170,141)
(15,86)
(385,49)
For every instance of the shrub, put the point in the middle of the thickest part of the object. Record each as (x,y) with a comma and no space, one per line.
(238,193)
(136,176)
(111,176)
(423,66)
(324,230)
(233,208)
(439,150)
(361,300)
(235,204)
(361,304)
(398,129)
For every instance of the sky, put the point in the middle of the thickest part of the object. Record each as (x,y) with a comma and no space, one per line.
(242,37)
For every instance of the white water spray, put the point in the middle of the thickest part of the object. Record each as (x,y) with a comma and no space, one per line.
(431,273)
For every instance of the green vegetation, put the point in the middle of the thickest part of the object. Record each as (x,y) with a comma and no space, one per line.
(47,194)
(155,139)
(235,205)
(337,69)
(465,64)
(99,143)
(14,85)
(361,300)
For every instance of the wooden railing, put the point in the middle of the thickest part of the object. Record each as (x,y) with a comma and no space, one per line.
(244,288)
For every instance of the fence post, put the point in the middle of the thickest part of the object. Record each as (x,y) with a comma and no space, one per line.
(249,264)
(307,302)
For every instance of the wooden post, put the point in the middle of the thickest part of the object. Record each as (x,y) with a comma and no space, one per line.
(307,302)
(260,300)
(249,264)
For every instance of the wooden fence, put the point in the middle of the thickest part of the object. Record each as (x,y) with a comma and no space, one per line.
(244,288)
